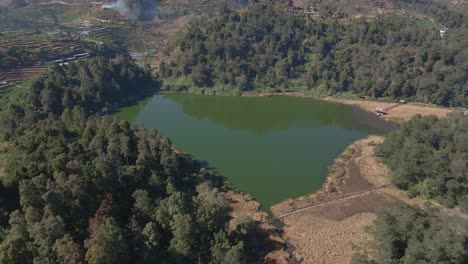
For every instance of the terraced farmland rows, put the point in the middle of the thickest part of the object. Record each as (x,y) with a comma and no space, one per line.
(14,76)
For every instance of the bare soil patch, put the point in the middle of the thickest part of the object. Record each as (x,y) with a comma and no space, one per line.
(332,232)
(158,37)
(356,170)
(329,233)
(242,205)
(403,112)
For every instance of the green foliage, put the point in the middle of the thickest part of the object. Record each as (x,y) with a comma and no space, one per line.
(85,188)
(14,251)
(15,56)
(107,244)
(93,84)
(67,251)
(66,175)
(267,47)
(428,156)
(16,247)
(238,49)
(406,234)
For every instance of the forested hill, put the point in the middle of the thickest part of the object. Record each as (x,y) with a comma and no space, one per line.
(428,157)
(76,187)
(410,234)
(267,48)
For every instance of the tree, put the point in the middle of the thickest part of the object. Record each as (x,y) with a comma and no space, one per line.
(66,169)
(222,251)
(152,240)
(181,244)
(143,206)
(107,244)
(424,159)
(212,208)
(235,255)
(407,234)
(67,251)
(104,211)
(15,250)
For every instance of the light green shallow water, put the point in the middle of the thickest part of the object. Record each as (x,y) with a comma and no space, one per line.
(274,148)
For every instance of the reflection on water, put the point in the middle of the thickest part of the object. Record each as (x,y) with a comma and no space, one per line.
(263,114)
(272,147)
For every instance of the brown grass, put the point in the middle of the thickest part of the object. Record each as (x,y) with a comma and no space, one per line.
(242,205)
(401,113)
(329,233)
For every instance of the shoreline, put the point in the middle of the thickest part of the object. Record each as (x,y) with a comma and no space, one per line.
(363,105)
(342,210)
(400,114)
(339,225)
(343,207)
(344,177)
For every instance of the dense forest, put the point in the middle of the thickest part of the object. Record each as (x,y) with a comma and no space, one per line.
(80,186)
(239,50)
(266,49)
(98,82)
(428,157)
(407,234)
(76,187)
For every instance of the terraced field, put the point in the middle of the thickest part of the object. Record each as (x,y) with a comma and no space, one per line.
(58,50)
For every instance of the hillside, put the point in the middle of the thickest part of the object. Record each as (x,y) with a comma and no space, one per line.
(371,8)
(80,185)
(270,48)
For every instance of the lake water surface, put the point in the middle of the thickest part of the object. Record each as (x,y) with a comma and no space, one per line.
(274,148)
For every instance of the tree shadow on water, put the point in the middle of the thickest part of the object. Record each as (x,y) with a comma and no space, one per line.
(260,237)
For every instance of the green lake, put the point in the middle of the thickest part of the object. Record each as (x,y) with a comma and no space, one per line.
(274,148)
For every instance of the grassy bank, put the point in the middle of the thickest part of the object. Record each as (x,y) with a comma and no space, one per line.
(399,114)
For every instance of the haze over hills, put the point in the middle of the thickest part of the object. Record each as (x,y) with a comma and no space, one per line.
(81,184)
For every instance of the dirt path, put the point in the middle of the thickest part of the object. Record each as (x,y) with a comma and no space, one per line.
(358,162)
(335,223)
(338,200)
(329,232)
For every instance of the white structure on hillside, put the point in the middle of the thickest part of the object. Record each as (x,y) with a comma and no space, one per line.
(443,31)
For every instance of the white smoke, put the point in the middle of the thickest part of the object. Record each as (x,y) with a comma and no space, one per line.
(139,9)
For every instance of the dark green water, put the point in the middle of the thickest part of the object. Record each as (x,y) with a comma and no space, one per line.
(274,148)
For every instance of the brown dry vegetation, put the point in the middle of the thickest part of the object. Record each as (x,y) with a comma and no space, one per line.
(403,112)
(161,35)
(329,233)
(242,205)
